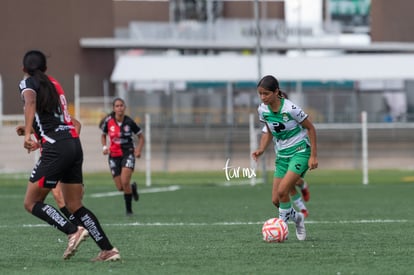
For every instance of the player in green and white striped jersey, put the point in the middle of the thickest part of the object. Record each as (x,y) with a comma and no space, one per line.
(295,141)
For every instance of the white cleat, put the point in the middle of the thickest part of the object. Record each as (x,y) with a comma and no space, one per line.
(300,227)
(74,240)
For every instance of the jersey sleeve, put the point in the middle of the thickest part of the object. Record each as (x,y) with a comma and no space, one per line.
(104,125)
(296,112)
(27,84)
(260,111)
(135,128)
(138,130)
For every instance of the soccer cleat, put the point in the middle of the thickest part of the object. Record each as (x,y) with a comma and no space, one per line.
(107,256)
(74,241)
(305,193)
(300,227)
(135,194)
(304,212)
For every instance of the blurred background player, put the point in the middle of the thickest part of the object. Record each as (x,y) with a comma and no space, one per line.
(122,151)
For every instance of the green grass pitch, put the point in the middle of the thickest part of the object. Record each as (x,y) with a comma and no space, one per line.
(208,225)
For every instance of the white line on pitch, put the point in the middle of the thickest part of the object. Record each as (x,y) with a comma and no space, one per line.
(253,223)
(224,223)
(141,191)
(114,193)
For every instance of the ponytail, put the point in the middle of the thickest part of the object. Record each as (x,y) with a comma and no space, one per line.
(47,98)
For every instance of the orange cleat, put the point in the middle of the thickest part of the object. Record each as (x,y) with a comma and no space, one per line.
(305,193)
(304,212)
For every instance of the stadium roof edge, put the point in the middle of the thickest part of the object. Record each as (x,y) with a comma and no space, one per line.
(190,44)
(235,68)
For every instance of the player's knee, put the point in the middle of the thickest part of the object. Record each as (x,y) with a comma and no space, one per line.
(284,194)
(28,206)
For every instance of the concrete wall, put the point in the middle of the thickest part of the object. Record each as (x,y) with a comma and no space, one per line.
(127,11)
(55,27)
(196,149)
(392,20)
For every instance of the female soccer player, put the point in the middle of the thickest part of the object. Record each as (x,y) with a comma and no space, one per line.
(121,130)
(297,199)
(45,111)
(295,138)
(57,191)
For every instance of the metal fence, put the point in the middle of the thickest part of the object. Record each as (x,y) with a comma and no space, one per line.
(203,147)
(200,127)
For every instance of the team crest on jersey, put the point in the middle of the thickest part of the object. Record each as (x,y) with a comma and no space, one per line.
(127,128)
(285,117)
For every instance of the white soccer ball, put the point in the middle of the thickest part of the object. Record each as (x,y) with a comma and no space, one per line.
(275,230)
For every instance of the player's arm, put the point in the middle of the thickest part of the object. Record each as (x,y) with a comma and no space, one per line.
(20,130)
(77,125)
(139,144)
(29,97)
(105,149)
(265,140)
(313,160)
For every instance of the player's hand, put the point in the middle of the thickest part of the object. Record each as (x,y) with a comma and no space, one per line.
(20,130)
(35,146)
(313,163)
(30,145)
(256,154)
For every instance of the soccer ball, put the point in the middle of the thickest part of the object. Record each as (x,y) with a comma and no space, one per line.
(275,230)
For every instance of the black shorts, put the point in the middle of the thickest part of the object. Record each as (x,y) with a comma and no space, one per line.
(116,163)
(60,161)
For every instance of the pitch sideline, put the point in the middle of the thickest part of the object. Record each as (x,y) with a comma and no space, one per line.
(141,191)
(133,224)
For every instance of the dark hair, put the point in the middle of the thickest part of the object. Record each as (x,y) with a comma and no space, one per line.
(47,99)
(111,114)
(101,123)
(283,94)
(270,83)
(117,99)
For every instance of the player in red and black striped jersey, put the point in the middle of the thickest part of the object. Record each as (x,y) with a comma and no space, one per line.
(122,131)
(45,111)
